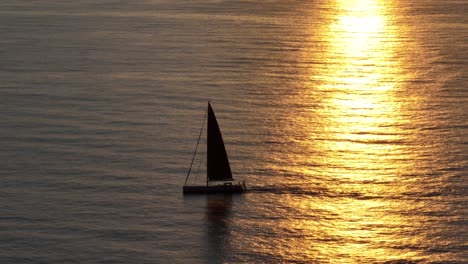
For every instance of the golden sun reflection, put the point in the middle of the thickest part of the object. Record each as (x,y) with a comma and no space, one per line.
(354,132)
(358,90)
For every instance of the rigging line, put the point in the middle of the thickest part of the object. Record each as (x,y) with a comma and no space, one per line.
(198,170)
(195,152)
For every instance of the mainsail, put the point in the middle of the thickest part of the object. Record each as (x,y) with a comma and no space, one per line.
(218,168)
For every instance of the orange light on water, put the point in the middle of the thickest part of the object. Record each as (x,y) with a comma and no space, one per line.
(354,131)
(359,113)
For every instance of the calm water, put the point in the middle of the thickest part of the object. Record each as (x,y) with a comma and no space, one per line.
(348,119)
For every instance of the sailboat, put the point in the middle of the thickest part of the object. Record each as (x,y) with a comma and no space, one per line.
(219,177)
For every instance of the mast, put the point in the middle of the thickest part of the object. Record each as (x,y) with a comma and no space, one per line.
(218,168)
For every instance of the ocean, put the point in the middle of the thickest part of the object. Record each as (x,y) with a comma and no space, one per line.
(348,120)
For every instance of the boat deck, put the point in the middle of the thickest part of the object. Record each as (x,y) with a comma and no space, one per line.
(222,188)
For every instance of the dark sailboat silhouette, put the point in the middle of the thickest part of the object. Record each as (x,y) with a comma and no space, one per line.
(219,176)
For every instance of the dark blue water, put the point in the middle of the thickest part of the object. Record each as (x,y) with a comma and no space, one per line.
(347,119)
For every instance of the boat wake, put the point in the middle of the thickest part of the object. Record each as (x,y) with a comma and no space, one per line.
(322,192)
(282,190)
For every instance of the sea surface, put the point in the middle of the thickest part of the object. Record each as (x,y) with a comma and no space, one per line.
(348,120)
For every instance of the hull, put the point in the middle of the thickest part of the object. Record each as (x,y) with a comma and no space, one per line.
(224,188)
